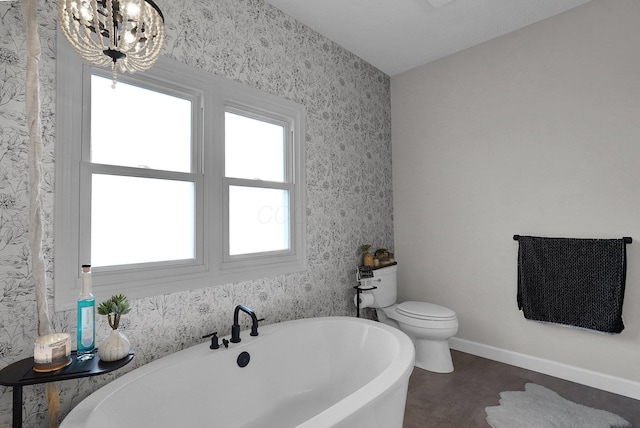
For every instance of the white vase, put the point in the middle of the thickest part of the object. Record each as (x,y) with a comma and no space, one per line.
(114,347)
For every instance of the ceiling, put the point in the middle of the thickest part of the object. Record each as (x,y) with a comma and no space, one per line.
(398,35)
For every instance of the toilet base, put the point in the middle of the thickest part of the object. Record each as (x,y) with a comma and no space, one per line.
(430,340)
(433,355)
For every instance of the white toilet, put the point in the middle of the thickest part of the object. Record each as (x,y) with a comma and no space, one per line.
(429,326)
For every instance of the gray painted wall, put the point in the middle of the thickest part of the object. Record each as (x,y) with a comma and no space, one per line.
(534,133)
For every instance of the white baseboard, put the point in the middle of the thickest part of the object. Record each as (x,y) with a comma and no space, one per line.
(609,383)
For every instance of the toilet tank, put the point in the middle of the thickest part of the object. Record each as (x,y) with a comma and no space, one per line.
(386,281)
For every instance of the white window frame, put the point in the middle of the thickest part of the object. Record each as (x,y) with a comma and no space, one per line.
(212,265)
(248,261)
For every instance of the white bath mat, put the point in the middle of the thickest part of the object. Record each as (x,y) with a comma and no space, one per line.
(539,407)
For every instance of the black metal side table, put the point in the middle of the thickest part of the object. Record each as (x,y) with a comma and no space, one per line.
(21,373)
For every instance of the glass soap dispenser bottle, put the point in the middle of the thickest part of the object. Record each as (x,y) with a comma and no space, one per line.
(86,317)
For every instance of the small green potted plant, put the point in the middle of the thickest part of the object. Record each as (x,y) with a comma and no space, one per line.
(116,346)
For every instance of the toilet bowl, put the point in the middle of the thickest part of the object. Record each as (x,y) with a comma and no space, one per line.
(429,331)
(428,325)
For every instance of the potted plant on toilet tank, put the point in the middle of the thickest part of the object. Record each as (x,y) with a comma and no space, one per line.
(367,258)
(116,345)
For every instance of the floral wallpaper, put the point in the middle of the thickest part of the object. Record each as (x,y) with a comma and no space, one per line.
(349,197)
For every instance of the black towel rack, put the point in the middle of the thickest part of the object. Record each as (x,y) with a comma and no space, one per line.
(626,239)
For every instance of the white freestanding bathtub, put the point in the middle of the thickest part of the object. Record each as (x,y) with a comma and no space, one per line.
(316,372)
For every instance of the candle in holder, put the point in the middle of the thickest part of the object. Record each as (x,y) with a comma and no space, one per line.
(52,352)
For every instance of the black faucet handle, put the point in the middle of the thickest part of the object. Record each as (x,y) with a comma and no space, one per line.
(254,327)
(214,340)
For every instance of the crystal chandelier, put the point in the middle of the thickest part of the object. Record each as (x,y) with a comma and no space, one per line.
(126,34)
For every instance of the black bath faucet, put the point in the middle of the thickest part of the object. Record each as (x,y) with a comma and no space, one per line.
(235,328)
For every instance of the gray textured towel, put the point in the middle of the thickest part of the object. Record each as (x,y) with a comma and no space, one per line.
(575,282)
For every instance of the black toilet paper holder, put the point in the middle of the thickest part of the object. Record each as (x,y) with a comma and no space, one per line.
(359,290)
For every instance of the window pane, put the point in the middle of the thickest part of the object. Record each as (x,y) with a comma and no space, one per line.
(254,149)
(139,220)
(258,220)
(136,127)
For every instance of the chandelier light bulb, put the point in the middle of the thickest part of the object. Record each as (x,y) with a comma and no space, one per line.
(129,37)
(85,10)
(133,10)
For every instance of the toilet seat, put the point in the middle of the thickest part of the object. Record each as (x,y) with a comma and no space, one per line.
(425,311)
